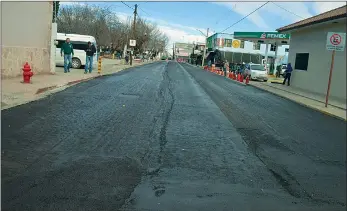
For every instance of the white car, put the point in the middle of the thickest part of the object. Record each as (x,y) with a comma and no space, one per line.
(79,43)
(257,72)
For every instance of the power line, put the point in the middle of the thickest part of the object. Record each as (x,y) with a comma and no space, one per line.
(144,11)
(245,17)
(228,12)
(127,5)
(287,10)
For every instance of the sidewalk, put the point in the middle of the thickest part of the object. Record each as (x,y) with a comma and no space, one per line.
(335,108)
(16,93)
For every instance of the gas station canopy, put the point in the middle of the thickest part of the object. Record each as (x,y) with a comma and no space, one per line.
(273,38)
(263,37)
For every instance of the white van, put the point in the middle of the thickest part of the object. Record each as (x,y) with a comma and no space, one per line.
(79,43)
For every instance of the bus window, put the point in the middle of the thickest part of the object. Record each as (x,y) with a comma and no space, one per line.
(78,45)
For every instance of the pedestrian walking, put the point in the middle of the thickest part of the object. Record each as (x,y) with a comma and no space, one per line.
(90,51)
(67,49)
(288,74)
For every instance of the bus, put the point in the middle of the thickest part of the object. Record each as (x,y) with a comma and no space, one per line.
(80,43)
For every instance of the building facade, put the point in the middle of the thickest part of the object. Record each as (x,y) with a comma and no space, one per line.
(223,42)
(26,37)
(310,58)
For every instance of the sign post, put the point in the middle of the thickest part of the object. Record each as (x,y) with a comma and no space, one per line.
(335,42)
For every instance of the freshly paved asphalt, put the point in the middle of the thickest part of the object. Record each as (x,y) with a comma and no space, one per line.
(169,136)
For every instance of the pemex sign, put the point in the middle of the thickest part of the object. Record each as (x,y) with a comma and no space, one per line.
(261,35)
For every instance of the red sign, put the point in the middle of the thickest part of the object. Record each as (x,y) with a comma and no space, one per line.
(335,39)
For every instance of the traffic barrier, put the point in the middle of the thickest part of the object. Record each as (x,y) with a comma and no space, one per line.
(231,75)
(99,65)
(247,80)
(241,78)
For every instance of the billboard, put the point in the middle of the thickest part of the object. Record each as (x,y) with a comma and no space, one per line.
(184,46)
(183,49)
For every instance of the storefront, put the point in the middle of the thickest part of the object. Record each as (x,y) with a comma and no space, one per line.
(251,46)
(277,42)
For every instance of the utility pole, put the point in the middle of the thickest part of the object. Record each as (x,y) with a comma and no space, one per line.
(173,51)
(134,33)
(128,24)
(203,58)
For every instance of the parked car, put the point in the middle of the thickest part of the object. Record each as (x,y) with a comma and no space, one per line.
(256,72)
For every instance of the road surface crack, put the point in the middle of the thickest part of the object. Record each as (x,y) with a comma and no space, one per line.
(171,100)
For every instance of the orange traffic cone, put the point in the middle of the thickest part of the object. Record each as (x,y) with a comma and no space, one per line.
(247,80)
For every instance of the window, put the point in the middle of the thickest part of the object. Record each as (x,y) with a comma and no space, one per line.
(257,67)
(301,61)
(256,46)
(273,47)
(228,43)
(242,44)
(60,43)
(77,45)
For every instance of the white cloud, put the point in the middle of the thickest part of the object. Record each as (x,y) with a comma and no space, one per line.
(123,17)
(244,8)
(175,32)
(321,7)
(178,35)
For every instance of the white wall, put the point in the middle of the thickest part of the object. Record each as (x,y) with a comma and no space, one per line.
(315,79)
(20,19)
(26,36)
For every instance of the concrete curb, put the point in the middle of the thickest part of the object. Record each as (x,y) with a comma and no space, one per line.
(305,97)
(237,82)
(70,83)
(45,89)
(303,104)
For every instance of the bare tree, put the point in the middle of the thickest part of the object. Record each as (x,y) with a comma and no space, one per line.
(105,26)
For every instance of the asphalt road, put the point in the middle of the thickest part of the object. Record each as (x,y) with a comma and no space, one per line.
(169,136)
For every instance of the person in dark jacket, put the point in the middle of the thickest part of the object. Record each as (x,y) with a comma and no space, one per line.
(90,51)
(126,58)
(67,49)
(288,74)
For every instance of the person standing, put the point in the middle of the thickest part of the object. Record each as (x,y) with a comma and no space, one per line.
(126,58)
(288,74)
(226,67)
(67,49)
(90,51)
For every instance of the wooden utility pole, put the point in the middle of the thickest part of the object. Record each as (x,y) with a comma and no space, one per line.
(134,33)
(203,57)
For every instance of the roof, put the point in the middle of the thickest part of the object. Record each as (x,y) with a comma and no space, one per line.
(321,18)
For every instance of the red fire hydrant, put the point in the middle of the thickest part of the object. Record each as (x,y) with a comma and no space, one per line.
(27,74)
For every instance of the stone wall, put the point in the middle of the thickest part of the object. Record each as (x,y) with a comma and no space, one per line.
(13,59)
(26,38)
